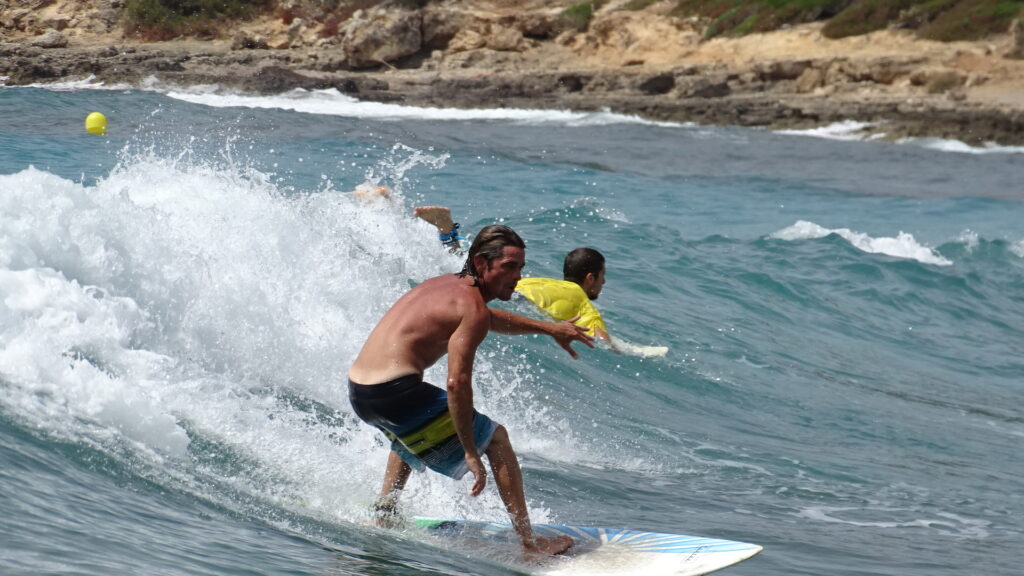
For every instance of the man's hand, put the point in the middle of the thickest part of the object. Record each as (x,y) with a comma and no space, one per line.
(476,467)
(565,332)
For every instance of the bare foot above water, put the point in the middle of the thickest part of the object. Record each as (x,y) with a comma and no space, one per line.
(369,192)
(440,216)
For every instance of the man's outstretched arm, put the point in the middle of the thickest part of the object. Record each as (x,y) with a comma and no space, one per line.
(505,322)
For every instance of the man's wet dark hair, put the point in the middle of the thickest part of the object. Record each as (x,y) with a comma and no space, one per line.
(580,262)
(489,243)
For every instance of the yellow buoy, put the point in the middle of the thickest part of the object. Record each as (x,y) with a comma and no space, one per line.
(96,123)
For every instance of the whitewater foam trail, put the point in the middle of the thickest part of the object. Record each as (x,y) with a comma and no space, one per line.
(334,103)
(88,83)
(854,131)
(172,301)
(959,147)
(179,306)
(848,130)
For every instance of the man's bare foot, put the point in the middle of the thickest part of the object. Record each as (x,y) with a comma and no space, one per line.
(544,546)
(385,515)
(368,192)
(440,216)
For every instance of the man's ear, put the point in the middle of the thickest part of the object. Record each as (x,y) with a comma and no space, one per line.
(479,263)
(588,279)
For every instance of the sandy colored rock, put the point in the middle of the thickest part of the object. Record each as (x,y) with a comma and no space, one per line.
(465,40)
(382,36)
(506,39)
(50,39)
(810,80)
(619,37)
(517,53)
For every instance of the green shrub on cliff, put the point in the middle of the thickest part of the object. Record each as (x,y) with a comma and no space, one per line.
(165,19)
(638,4)
(577,16)
(866,16)
(970,20)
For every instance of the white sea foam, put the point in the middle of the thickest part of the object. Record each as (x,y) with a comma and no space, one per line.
(334,103)
(171,299)
(969,239)
(598,208)
(331,102)
(63,340)
(846,130)
(963,148)
(883,517)
(88,83)
(851,130)
(1018,248)
(178,298)
(902,246)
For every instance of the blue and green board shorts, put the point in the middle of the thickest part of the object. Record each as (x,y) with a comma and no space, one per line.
(414,416)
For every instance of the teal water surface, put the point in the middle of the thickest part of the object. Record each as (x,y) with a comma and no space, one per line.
(182,298)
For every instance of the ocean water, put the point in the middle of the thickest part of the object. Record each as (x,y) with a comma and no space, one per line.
(182,298)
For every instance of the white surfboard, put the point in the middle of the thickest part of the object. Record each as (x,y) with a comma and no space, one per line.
(638,350)
(603,551)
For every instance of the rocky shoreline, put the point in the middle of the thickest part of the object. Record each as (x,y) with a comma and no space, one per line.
(787,79)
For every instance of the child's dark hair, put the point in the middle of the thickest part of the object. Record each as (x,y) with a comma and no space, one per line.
(580,262)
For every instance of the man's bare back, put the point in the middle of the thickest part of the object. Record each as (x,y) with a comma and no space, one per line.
(414,333)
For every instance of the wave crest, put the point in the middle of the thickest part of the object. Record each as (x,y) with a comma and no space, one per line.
(903,246)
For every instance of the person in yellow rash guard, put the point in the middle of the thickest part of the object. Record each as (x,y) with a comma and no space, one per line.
(583,273)
(562,299)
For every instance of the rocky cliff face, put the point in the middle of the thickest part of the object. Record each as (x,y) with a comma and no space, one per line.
(37,17)
(526,53)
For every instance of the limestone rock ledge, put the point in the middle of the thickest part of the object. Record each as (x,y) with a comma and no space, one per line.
(481,55)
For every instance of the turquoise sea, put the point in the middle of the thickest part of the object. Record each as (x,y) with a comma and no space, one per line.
(181,299)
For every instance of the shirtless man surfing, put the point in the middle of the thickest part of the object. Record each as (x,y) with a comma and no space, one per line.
(439,429)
